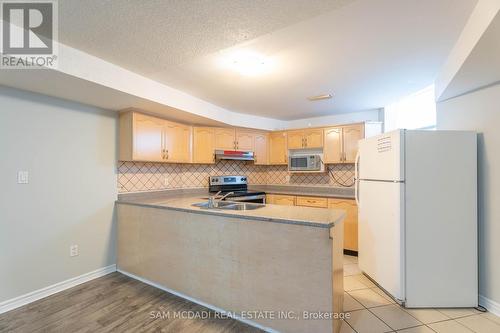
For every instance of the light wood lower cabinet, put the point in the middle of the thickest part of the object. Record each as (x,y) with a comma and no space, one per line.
(350,221)
(312,202)
(279,199)
(349,205)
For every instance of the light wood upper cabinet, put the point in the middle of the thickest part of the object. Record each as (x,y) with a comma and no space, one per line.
(332,152)
(350,221)
(244,140)
(148,138)
(278,153)
(295,139)
(177,142)
(341,143)
(203,145)
(151,139)
(308,138)
(350,137)
(225,138)
(313,138)
(261,142)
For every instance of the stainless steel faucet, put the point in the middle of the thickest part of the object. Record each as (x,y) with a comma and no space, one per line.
(225,195)
(211,199)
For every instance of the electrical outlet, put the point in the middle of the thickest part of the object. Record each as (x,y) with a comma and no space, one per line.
(165,181)
(23,177)
(73,250)
(287,178)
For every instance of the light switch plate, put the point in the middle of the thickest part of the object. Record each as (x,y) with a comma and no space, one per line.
(22,177)
(73,251)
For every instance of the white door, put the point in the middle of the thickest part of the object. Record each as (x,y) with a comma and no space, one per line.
(381,229)
(382,157)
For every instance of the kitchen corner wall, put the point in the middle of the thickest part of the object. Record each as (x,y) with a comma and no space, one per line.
(141,176)
(479,111)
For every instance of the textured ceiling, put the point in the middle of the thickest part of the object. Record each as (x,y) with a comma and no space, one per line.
(151,35)
(368,53)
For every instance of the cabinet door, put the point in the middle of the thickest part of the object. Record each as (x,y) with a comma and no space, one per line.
(313,138)
(203,145)
(225,138)
(332,152)
(278,153)
(261,152)
(177,142)
(350,137)
(312,202)
(284,200)
(148,138)
(244,140)
(296,139)
(350,221)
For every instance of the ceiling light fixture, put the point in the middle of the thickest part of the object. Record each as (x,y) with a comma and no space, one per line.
(319,97)
(247,63)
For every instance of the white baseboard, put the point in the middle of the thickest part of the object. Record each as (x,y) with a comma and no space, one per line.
(490,305)
(13,303)
(194,300)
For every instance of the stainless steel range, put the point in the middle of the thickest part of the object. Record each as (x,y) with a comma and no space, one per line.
(235,188)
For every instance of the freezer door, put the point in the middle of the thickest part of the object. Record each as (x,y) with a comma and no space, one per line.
(382,157)
(381,230)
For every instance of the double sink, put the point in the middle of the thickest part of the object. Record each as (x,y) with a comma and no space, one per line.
(228,205)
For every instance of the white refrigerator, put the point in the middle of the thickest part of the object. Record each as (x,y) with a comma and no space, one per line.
(417,198)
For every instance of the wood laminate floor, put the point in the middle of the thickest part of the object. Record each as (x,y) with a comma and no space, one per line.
(115,303)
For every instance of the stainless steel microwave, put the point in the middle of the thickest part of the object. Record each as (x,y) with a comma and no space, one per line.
(305,162)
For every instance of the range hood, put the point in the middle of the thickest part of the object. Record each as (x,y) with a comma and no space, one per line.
(234,155)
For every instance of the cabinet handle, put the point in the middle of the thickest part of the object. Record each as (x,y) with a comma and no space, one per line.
(166,156)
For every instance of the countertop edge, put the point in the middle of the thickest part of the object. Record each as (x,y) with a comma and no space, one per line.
(228,214)
(305,194)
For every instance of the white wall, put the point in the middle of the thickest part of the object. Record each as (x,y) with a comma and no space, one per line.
(480,111)
(336,119)
(70,152)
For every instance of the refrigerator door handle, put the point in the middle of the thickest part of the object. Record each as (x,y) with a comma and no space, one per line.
(356,192)
(356,166)
(356,179)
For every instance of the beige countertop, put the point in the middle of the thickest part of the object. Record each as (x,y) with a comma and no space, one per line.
(183,201)
(313,191)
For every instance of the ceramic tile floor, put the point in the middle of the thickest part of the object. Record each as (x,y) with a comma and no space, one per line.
(372,311)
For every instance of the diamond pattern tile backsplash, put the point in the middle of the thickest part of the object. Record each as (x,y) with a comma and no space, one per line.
(141,176)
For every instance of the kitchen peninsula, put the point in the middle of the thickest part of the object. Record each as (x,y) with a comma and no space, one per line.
(285,262)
